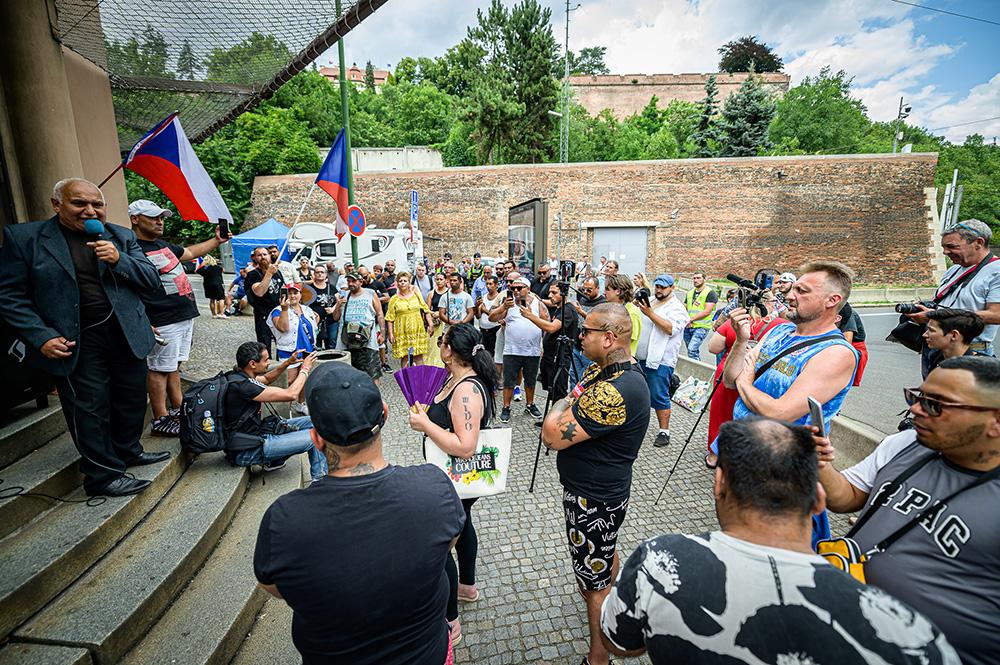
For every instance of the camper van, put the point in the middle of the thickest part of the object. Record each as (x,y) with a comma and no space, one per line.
(319,244)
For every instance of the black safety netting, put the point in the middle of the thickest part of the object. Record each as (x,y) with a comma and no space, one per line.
(208,60)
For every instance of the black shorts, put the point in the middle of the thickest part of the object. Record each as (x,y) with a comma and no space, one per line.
(490,339)
(592,530)
(368,361)
(513,364)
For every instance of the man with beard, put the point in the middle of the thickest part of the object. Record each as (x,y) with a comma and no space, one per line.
(598,430)
(808,357)
(587,298)
(263,287)
(931,538)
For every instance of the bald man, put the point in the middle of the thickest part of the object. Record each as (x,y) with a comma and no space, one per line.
(598,430)
(73,297)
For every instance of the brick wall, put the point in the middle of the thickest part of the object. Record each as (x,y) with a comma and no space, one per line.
(626,94)
(732,215)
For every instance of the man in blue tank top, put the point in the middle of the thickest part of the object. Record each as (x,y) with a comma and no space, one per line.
(822,364)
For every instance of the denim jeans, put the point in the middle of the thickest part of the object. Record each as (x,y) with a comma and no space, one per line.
(577,367)
(693,337)
(279,447)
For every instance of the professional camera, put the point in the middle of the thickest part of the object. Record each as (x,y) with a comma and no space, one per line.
(914,307)
(642,297)
(750,293)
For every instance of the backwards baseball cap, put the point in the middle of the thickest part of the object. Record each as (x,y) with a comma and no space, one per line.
(147,208)
(344,403)
(663,280)
(786,277)
(477,255)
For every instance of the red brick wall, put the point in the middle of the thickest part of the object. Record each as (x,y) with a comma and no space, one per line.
(733,215)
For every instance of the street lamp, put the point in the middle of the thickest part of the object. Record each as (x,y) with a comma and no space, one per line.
(897,134)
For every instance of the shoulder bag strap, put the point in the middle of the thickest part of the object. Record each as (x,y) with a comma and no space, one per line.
(965,278)
(899,533)
(889,489)
(792,349)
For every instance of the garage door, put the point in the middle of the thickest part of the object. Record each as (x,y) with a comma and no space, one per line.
(627,246)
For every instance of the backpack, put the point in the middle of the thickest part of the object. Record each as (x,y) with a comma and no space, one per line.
(355,335)
(203,416)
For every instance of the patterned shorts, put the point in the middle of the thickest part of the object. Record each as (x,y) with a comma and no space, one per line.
(592,530)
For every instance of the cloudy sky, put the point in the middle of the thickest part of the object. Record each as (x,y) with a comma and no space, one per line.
(946,67)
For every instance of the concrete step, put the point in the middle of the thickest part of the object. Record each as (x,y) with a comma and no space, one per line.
(52,469)
(28,429)
(209,620)
(115,603)
(43,654)
(52,551)
(270,641)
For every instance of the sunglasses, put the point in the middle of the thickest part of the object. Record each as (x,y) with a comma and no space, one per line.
(584,330)
(518,288)
(933,407)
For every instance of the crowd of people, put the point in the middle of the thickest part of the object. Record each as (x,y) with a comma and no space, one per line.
(111,316)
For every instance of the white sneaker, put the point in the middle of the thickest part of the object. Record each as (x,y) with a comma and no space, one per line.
(518,397)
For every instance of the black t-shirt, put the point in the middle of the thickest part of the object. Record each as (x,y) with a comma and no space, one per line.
(614,411)
(174,302)
(435,300)
(262,305)
(94,303)
(540,287)
(239,403)
(850,321)
(572,323)
(360,560)
(325,297)
(388,280)
(379,288)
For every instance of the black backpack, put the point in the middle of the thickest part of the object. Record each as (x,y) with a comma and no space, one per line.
(203,415)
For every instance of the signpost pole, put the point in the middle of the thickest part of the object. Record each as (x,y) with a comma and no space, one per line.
(345,115)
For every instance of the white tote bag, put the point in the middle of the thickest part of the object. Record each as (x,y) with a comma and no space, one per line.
(483,474)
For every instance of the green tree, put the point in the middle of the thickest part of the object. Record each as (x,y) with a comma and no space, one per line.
(681,118)
(369,76)
(708,136)
(661,145)
(420,114)
(649,119)
(589,61)
(315,101)
(187,62)
(821,115)
(978,165)
(747,54)
(458,150)
(255,59)
(146,58)
(531,50)
(456,71)
(746,116)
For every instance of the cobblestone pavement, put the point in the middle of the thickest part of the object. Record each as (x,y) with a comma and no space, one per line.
(529,610)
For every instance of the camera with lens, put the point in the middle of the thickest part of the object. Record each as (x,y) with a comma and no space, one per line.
(750,293)
(642,296)
(914,307)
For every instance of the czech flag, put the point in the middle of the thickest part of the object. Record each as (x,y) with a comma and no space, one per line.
(332,179)
(164,157)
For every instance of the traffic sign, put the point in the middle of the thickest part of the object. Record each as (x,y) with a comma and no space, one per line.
(414,210)
(355,221)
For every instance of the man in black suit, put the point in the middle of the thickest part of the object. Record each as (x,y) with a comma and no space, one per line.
(73,298)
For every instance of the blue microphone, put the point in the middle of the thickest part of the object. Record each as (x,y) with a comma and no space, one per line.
(94,227)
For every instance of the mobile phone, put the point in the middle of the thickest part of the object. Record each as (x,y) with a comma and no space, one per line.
(523,302)
(162,341)
(224,228)
(816,415)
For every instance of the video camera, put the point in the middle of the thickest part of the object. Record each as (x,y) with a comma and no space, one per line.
(750,292)
(914,307)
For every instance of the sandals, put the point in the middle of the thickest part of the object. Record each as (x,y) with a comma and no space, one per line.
(469,599)
(165,426)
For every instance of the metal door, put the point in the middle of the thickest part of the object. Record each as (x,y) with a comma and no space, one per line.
(627,246)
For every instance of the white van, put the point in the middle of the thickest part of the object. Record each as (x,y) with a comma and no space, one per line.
(319,244)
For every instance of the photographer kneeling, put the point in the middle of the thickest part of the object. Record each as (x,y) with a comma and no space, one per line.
(279,438)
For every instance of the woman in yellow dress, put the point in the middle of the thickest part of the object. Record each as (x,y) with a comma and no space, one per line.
(409,322)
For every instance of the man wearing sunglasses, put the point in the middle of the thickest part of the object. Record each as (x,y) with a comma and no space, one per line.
(589,296)
(541,283)
(947,564)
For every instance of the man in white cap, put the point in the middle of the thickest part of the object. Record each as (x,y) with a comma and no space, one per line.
(522,343)
(171,310)
(780,289)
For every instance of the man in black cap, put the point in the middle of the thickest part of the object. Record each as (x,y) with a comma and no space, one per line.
(378,592)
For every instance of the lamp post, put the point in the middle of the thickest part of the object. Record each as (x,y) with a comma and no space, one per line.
(897,131)
(564,119)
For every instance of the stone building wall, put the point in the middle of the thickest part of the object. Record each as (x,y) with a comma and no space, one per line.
(626,94)
(720,215)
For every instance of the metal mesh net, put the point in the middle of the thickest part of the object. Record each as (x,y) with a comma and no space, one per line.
(208,60)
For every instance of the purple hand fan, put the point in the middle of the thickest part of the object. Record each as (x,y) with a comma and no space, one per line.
(420,383)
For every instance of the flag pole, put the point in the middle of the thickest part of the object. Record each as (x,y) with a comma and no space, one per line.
(295,223)
(345,116)
(118,168)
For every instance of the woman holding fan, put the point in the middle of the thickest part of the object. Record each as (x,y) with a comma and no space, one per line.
(463,406)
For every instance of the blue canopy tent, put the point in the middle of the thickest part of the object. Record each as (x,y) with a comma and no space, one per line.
(271,232)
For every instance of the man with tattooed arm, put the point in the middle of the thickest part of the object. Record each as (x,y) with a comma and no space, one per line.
(598,430)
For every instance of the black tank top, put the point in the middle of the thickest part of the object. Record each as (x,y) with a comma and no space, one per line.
(440,414)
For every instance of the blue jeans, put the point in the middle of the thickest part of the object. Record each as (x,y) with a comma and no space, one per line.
(693,337)
(577,366)
(279,447)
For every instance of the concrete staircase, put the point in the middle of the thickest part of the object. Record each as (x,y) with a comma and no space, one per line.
(165,576)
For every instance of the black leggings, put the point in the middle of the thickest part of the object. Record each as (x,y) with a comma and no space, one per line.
(467,547)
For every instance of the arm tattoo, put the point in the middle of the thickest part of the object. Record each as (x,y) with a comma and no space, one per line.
(467,414)
(568,430)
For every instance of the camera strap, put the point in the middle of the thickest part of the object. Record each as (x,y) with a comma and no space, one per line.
(792,349)
(960,282)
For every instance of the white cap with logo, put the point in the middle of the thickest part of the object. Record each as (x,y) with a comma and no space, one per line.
(147,208)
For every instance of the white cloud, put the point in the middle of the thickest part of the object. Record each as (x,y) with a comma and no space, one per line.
(982,102)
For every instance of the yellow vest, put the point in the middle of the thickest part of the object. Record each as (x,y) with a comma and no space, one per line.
(696,304)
